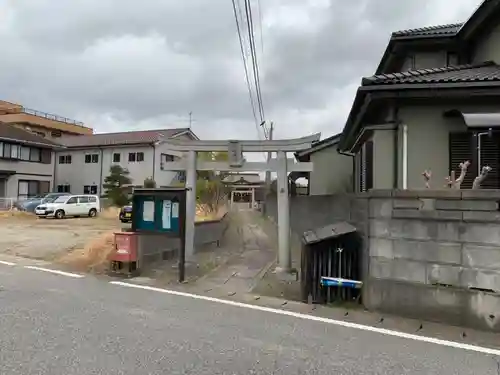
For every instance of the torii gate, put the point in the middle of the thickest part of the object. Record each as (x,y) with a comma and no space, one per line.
(237,163)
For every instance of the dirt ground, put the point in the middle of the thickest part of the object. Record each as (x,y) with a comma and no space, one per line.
(47,239)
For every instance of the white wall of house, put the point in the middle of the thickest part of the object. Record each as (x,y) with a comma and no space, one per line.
(332,172)
(79,173)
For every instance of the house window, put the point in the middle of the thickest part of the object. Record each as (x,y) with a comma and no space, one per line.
(116,158)
(25,153)
(131,157)
(140,156)
(6,150)
(92,158)
(135,157)
(46,156)
(168,158)
(90,189)
(35,154)
(30,188)
(64,159)
(451,59)
(63,188)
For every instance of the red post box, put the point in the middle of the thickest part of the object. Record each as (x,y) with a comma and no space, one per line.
(124,257)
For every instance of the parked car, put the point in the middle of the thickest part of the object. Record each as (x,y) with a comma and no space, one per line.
(70,205)
(125,214)
(30,204)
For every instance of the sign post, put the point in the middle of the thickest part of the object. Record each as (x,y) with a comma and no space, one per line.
(160,211)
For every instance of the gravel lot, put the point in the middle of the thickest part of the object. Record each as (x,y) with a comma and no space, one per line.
(47,239)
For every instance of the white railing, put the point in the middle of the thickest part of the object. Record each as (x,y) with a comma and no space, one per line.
(7,204)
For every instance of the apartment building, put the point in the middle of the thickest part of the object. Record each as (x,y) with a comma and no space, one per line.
(46,125)
(85,161)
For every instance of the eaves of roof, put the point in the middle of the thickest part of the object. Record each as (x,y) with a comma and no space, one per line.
(462,77)
(318,146)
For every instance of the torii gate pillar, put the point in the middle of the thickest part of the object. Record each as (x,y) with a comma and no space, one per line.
(283,200)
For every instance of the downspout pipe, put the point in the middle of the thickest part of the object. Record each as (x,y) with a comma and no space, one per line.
(353,177)
(405,157)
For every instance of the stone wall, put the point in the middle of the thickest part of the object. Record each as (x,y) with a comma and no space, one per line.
(428,254)
(435,255)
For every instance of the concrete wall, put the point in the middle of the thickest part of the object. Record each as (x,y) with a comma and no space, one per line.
(332,172)
(431,255)
(154,247)
(435,255)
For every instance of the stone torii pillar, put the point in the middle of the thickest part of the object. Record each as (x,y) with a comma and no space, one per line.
(237,163)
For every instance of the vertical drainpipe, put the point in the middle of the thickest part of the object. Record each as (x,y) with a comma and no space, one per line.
(405,157)
(100,174)
(53,153)
(154,161)
(353,159)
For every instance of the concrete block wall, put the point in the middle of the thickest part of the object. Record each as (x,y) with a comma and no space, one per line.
(427,254)
(435,255)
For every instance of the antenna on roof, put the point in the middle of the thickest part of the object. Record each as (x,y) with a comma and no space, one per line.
(190,119)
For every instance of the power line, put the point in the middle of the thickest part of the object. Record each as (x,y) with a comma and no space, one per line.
(255,63)
(259,7)
(245,65)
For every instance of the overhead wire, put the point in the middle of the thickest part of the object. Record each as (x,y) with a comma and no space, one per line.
(255,63)
(243,56)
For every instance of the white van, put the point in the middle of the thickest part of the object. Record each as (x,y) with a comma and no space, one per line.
(70,205)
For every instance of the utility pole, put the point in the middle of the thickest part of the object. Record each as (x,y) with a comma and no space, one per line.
(190,119)
(268,173)
(269,156)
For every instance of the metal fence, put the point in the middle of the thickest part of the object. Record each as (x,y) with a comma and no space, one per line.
(338,258)
(7,204)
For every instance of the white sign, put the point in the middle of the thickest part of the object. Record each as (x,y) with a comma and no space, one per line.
(148,212)
(166,219)
(175,210)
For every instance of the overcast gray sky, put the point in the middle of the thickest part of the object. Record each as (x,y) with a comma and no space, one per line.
(128,64)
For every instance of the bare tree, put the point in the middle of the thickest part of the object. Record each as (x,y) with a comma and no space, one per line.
(482,176)
(427,178)
(453,183)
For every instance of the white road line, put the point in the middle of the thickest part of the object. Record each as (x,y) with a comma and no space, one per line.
(383,331)
(7,263)
(57,272)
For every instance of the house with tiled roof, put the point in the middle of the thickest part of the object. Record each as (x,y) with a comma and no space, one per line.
(26,163)
(432,103)
(85,161)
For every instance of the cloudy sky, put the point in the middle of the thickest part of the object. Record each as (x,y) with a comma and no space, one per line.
(127,64)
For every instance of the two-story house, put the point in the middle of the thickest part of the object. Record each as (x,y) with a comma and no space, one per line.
(26,163)
(50,126)
(85,161)
(333,171)
(432,103)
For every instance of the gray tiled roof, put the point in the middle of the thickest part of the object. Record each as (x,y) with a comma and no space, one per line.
(122,138)
(11,132)
(487,71)
(439,30)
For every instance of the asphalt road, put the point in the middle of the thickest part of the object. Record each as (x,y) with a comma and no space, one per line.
(53,324)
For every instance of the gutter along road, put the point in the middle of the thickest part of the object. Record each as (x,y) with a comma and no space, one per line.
(57,323)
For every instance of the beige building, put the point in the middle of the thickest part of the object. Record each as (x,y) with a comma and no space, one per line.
(432,103)
(333,171)
(44,124)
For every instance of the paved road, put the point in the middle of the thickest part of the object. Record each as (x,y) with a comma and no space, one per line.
(53,324)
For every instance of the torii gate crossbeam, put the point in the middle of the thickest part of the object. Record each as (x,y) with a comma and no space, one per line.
(281,165)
